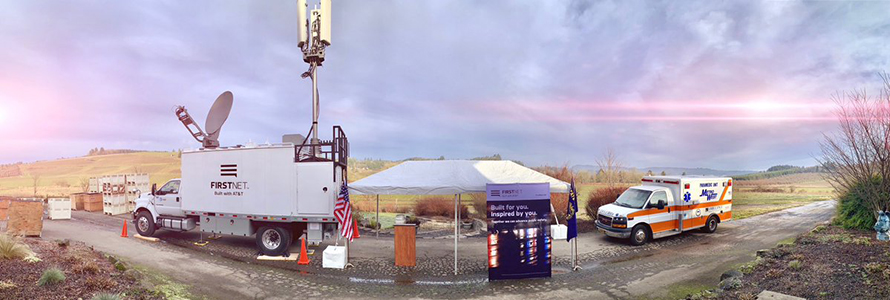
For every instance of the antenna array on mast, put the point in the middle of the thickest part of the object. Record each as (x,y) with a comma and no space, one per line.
(315,35)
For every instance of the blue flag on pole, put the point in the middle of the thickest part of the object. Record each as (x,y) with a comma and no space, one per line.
(571,213)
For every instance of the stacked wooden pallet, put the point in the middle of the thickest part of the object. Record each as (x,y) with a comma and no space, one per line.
(25,217)
(113,194)
(86,201)
(58,208)
(4,207)
(136,184)
(92,202)
(119,192)
(94,186)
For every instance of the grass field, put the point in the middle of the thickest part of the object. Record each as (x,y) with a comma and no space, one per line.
(754,197)
(62,177)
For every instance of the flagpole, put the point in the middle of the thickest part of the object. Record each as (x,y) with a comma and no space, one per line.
(572,251)
(377,218)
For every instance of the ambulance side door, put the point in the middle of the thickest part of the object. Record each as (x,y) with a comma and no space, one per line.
(665,220)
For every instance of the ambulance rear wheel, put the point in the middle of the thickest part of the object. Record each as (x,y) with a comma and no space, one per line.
(273,240)
(639,235)
(145,224)
(711,225)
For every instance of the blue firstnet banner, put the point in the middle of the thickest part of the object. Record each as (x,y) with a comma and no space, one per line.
(518,230)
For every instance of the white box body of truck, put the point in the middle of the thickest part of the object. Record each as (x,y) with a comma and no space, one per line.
(277,192)
(262,181)
(667,205)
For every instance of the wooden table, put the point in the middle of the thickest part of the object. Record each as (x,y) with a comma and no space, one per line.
(406,255)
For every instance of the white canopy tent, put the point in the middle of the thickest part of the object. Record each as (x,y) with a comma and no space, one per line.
(450,177)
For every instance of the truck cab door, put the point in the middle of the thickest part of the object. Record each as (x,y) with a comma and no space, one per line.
(167,200)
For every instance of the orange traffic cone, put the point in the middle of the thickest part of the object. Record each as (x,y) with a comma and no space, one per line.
(355,233)
(304,257)
(124,231)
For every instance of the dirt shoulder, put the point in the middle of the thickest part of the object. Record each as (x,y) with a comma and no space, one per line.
(827,263)
(86,274)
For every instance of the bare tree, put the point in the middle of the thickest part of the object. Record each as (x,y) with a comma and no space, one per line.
(35,179)
(85,184)
(610,164)
(859,154)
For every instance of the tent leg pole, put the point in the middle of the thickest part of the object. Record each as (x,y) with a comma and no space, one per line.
(456,228)
(377,218)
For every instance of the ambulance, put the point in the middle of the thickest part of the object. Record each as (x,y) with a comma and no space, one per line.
(667,205)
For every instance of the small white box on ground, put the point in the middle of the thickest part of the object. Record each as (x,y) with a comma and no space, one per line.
(59,208)
(559,231)
(334,257)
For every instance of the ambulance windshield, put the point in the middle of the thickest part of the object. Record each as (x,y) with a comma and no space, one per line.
(633,198)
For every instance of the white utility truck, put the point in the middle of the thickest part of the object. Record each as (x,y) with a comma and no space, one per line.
(667,205)
(276,191)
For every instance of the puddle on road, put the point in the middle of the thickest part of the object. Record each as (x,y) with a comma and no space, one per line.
(629,258)
(419,282)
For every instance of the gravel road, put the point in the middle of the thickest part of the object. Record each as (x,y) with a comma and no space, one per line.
(225,269)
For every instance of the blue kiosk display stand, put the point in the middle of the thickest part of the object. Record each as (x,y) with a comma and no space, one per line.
(519,240)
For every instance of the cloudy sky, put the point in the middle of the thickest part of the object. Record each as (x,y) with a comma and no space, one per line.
(720,84)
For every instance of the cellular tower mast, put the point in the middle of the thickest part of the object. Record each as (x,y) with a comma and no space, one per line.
(315,36)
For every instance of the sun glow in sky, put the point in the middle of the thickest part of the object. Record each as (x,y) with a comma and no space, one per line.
(720,84)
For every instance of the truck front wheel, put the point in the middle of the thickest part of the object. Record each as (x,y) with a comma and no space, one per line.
(273,240)
(145,224)
(639,235)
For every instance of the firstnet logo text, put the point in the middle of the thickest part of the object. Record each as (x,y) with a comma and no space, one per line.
(229,185)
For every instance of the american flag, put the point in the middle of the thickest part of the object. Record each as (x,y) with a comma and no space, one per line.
(343,212)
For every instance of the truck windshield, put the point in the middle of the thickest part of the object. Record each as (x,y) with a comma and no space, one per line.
(633,198)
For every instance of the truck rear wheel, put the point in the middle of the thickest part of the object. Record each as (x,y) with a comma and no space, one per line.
(273,240)
(639,235)
(711,225)
(145,224)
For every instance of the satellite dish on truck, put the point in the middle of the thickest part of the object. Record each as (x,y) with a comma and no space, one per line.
(217,116)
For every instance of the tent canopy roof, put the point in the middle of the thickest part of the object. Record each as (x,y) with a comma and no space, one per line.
(449,177)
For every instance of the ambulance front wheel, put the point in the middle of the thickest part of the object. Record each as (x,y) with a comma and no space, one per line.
(711,225)
(639,235)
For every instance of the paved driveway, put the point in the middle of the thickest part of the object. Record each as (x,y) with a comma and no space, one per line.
(225,268)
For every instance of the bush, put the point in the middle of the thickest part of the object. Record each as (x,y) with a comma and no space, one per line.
(85,267)
(51,276)
(560,202)
(100,283)
(600,197)
(853,212)
(437,206)
(762,189)
(106,296)
(11,248)
(480,205)
(794,264)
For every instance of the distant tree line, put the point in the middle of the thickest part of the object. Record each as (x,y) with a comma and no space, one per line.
(780,170)
(103,151)
(10,170)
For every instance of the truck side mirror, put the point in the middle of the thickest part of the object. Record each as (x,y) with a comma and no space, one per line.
(660,204)
(154,188)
